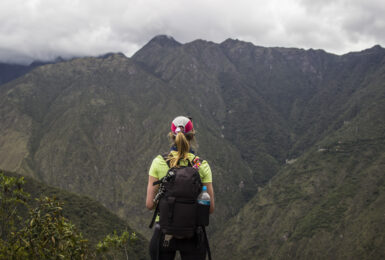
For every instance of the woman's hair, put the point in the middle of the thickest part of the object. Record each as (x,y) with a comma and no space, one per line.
(182,142)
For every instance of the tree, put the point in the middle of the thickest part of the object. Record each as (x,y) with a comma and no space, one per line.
(12,197)
(115,244)
(45,233)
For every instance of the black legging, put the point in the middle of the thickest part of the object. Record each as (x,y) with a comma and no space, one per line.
(189,248)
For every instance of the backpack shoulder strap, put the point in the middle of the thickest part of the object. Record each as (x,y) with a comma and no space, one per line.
(165,157)
(196,157)
(196,162)
(154,216)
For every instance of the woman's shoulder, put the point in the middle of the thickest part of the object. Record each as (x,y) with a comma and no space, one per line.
(159,159)
(204,165)
(205,171)
(158,167)
(192,156)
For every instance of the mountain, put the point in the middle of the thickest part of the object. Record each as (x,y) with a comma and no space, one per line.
(9,71)
(328,204)
(93,125)
(329,201)
(92,219)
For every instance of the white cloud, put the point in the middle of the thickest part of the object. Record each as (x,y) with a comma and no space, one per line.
(44,29)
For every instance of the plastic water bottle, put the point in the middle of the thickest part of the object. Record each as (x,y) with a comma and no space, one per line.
(204,197)
(203,207)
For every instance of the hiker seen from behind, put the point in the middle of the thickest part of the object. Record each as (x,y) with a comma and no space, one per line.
(180,191)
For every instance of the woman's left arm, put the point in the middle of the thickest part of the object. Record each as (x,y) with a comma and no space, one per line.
(151,192)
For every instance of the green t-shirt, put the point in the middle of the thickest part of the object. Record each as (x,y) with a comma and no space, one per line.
(159,168)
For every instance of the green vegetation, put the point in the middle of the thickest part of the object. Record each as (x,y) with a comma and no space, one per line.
(12,197)
(93,125)
(45,233)
(327,204)
(114,245)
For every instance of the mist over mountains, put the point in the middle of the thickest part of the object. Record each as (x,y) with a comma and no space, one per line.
(294,138)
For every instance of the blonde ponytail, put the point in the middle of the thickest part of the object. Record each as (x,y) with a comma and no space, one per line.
(183,147)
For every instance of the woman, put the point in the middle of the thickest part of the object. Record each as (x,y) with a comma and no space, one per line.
(182,136)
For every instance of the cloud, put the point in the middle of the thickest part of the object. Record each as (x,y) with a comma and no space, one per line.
(45,29)
(357,24)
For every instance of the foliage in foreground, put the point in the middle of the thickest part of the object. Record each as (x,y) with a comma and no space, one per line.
(114,244)
(45,233)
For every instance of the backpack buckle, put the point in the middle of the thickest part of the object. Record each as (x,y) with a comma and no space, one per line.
(166,241)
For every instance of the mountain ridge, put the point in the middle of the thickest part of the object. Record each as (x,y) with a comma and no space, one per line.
(93,125)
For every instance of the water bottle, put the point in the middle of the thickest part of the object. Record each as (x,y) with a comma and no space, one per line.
(204,197)
(203,207)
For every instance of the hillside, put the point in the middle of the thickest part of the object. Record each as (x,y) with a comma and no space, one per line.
(94,119)
(93,125)
(9,71)
(328,204)
(92,219)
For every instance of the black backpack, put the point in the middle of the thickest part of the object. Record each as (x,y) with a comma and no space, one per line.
(179,212)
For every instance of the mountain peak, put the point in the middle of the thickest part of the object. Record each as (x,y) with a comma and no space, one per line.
(156,47)
(235,42)
(377,47)
(164,41)
(112,54)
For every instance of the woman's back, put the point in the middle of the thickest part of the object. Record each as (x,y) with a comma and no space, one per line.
(166,241)
(159,167)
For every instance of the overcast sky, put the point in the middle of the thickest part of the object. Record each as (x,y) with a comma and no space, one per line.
(45,29)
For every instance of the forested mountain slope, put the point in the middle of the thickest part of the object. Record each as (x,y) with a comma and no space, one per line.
(93,125)
(329,202)
(326,205)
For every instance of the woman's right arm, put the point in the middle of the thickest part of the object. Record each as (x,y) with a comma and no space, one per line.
(210,191)
(151,192)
